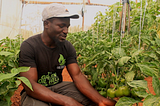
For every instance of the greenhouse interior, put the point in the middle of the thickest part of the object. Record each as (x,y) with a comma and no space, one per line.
(117,44)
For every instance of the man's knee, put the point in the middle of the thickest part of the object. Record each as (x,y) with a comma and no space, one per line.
(29,101)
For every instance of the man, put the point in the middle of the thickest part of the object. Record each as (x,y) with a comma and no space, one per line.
(47,54)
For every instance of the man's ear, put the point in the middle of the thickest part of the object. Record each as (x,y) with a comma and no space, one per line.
(46,24)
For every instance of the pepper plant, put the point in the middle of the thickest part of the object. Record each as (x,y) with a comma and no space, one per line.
(110,61)
(9,70)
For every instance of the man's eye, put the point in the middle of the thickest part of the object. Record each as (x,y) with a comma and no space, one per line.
(61,26)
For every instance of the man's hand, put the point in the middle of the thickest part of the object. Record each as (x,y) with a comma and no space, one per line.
(107,102)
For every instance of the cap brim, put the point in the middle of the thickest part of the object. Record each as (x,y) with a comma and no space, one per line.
(75,16)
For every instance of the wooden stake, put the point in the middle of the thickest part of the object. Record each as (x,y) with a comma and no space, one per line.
(128,19)
(83,16)
(124,19)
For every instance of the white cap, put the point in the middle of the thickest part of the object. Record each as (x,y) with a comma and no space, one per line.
(57,10)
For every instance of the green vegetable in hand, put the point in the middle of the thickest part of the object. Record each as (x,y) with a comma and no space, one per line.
(122,91)
(111,93)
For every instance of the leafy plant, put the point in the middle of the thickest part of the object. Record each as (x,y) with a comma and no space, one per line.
(9,70)
(104,54)
(141,92)
(9,53)
(9,82)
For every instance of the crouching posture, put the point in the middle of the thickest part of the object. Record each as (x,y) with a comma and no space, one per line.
(47,54)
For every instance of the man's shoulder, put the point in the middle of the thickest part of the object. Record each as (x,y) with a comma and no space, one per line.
(67,43)
(34,37)
(32,41)
(68,46)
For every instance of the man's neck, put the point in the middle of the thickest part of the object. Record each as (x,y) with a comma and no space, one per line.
(47,41)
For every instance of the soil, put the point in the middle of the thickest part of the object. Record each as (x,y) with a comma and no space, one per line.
(66,77)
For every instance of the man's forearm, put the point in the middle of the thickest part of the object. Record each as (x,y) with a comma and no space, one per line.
(86,88)
(42,93)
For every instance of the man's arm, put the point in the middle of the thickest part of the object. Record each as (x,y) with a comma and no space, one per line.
(86,88)
(42,93)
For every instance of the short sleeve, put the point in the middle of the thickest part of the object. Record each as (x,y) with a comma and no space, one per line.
(27,55)
(71,52)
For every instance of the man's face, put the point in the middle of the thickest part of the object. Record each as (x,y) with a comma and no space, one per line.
(57,29)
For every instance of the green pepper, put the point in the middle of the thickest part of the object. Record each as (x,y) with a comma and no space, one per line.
(119,92)
(126,91)
(122,91)
(111,93)
(103,93)
(102,83)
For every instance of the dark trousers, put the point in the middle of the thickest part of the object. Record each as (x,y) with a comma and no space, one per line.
(64,88)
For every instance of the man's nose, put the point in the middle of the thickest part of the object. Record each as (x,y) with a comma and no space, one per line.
(65,30)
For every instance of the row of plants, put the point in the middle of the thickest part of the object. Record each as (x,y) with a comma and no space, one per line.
(116,66)
(9,70)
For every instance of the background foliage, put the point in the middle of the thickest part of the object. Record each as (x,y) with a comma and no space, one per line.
(110,60)
(9,70)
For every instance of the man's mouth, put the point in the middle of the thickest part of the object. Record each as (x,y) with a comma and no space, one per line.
(62,37)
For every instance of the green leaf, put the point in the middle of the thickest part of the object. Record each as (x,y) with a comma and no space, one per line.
(8,100)
(5,53)
(4,88)
(152,100)
(23,69)
(123,60)
(90,63)
(126,101)
(26,81)
(6,76)
(17,52)
(158,52)
(1,61)
(95,76)
(153,55)
(142,93)
(3,103)
(118,52)
(11,63)
(138,83)
(146,69)
(136,53)
(18,82)
(129,76)
(1,48)
(14,71)
(158,42)
(156,85)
